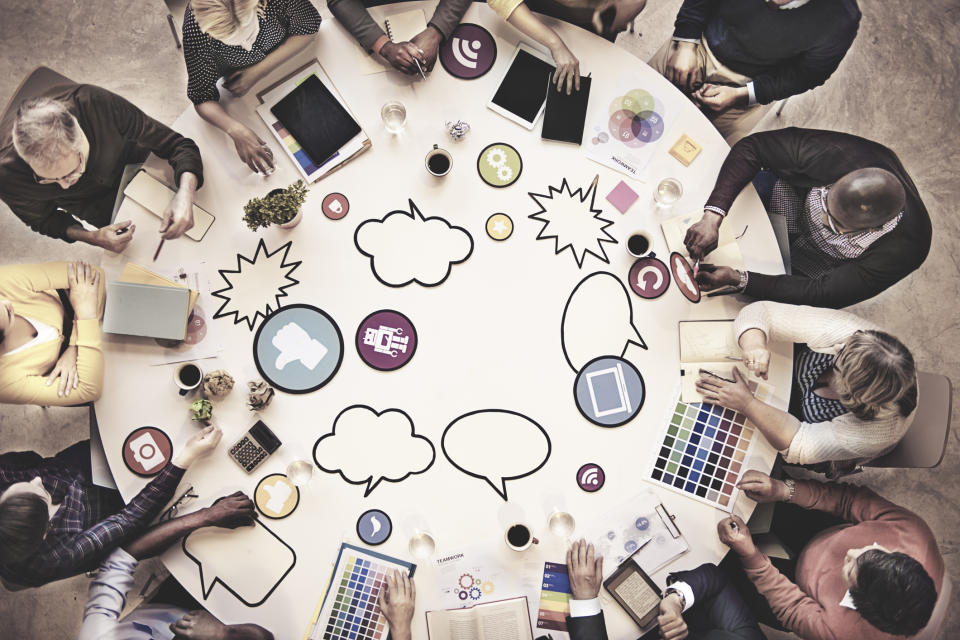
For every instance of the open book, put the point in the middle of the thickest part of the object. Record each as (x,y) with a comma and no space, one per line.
(498,620)
(708,345)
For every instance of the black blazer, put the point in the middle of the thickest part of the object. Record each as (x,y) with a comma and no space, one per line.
(587,627)
(808,158)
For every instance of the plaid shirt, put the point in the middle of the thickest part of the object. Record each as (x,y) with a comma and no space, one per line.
(814,248)
(81,534)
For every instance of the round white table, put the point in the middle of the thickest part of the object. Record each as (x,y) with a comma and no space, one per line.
(489,336)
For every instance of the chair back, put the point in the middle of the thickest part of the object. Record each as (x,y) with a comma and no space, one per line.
(38,81)
(924,443)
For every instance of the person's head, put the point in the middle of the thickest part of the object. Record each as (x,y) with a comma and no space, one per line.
(232,22)
(24,518)
(875,371)
(49,139)
(6,318)
(890,590)
(864,199)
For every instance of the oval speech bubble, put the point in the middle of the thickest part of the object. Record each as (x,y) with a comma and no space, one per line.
(496,445)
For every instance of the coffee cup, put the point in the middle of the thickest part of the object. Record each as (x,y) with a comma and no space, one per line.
(639,244)
(519,537)
(188,377)
(438,161)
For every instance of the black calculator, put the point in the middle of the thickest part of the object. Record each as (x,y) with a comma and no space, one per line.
(254,447)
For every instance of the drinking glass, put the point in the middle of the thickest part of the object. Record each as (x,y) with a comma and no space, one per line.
(299,472)
(394,116)
(422,545)
(668,192)
(561,524)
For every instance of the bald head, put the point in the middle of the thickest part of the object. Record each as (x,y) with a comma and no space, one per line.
(866,198)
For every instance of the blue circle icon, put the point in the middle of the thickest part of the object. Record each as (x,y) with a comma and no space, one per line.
(298,349)
(374,527)
(609,391)
(642,524)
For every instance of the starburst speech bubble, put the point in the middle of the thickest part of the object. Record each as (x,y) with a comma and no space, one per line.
(255,287)
(571,223)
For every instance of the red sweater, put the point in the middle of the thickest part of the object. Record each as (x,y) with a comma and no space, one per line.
(811,607)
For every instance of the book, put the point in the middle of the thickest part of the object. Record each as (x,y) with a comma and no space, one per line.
(154,196)
(708,345)
(565,115)
(400,27)
(146,310)
(499,620)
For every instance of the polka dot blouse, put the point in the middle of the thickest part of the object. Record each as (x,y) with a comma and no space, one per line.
(208,59)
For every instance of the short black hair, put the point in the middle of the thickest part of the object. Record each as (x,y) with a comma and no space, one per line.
(23,524)
(893,592)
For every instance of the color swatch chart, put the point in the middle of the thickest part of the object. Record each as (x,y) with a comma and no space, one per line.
(703,450)
(350,610)
(555,597)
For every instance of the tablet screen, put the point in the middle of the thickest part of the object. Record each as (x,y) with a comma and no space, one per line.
(524,88)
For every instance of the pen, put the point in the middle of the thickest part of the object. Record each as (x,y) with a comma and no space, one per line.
(696,268)
(157,252)
(713,375)
(735,358)
(419,68)
(723,292)
(120,232)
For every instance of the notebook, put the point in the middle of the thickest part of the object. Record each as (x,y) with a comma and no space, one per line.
(499,620)
(565,115)
(154,196)
(316,119)
(708,345)
(400,27)
(146,310)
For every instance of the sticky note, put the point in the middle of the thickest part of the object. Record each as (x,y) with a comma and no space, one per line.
(685,150)
(622,197)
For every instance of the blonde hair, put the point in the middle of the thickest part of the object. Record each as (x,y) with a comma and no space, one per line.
(45,131)
(220,19)
(876,373)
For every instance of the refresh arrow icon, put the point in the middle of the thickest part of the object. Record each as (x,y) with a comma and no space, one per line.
(642,277)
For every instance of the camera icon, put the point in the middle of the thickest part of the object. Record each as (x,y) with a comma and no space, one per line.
(146,452)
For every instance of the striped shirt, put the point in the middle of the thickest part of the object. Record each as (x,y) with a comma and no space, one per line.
(82,531)
(809,366)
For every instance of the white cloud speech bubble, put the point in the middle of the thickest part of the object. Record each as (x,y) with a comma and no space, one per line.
(266,560)
(496,445)
(255,287)
(406,247)
(391,449)
(585,329)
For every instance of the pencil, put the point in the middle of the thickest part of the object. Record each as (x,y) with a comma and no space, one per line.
(419,68)
(156,254)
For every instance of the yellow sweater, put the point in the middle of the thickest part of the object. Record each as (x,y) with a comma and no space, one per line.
(32,288)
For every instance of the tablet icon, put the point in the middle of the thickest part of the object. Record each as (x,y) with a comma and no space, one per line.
(609,391)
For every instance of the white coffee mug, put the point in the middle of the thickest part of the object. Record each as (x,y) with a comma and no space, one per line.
(519,537)
(188,377)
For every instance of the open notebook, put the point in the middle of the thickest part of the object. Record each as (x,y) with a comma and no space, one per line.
(708,345)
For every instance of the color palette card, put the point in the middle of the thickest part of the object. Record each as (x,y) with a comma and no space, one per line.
(555,597)
(703,449)
(349,610)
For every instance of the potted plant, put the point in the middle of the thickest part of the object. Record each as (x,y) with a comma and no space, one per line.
(281,207)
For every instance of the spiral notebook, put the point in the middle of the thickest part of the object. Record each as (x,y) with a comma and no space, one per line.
(400,27)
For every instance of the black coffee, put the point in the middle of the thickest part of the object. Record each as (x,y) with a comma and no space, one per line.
(638,245)
(518,535)
(190,375)
(438,163)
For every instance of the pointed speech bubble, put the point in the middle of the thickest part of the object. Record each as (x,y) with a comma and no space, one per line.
(496,445)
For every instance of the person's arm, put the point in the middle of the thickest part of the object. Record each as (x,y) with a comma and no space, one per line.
(43,217)
(251,148)
(355,18)
(241,81)
(107,595)
(447,16)
(568,67)
(585,568)
(819,329)
(692,19)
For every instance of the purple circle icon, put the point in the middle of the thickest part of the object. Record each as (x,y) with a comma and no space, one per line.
(469,52)
(649,277)
(591,477)
(386,340)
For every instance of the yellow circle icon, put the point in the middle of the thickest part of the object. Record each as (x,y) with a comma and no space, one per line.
(276,496)
(499,226)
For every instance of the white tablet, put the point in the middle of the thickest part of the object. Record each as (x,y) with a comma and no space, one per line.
(522,92)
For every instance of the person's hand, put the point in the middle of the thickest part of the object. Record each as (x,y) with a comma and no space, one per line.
(762,488)
(671,622)
(241,81)
(712,276)
(732,395)
(252,150)
(734,533)
(623,12)
(66,370)
(230,512)
(586,570)
(199,624)
(720,97)
(756,356)
(84,294)
(568,68)
(200,445)
(428,42)
(397,602)
(114,237)
(401,55)
(683,67)
(178,216)
(702,236)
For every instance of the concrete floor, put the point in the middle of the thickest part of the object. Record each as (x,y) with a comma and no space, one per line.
(898,85)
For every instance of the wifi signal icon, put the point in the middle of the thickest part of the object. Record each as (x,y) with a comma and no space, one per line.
(466,53)
(590,477)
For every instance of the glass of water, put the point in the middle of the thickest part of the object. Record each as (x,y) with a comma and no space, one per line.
(668,192)
(561,524)
(299,472)
(394,116)
(422,545)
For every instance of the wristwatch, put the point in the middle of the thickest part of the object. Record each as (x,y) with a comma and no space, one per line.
(743,279)
(683,600)
(792,486)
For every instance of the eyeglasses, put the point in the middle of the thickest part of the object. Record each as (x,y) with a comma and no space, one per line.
(180,502)
(76,173)
(830,224)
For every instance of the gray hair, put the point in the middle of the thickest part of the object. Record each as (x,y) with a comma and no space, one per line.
(45,131)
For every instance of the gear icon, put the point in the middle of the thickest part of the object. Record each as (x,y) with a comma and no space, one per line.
(475,593)
(487,587)
(497,157)
(465,581)
(463,595)
(504,173)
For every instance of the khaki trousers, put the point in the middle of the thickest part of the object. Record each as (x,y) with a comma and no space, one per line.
(735,122)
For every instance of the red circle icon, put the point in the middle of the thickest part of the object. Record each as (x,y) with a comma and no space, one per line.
(649,277)
(146,451)
(335,206)
(683,276)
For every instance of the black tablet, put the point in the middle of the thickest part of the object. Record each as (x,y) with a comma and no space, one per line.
(316,119)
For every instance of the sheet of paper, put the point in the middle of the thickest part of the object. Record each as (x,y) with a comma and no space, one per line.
(709,340)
